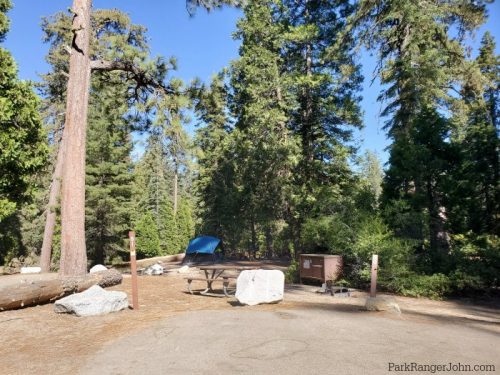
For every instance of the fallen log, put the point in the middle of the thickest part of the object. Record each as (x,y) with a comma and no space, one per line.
(143,263)
(24,290)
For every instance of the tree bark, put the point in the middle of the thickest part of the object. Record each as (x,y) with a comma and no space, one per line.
(308,105)
(176,182)
(254,237)
(439,237)
(269,242)
(50,223)
(18,291)
(73,251)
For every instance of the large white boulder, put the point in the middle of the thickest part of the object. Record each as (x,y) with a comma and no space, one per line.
(93,301)
(260,286)
(98,268)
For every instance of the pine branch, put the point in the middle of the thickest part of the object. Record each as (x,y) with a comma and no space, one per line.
(140,76)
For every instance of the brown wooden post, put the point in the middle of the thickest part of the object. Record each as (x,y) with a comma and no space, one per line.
(373,285)
(133,271)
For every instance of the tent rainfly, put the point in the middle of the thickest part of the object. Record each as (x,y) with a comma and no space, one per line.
(205,246)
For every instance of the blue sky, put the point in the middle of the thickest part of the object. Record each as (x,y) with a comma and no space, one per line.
(202,44)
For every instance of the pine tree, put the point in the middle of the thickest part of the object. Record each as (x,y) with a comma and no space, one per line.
(170,117)
(265,149)
(23,147)
(109,181)
(114,37)
(475,194)
(372,175)
(412,38)
(185,225)
(146,74)
(214,185)
(488,158)
(418,63)
(170,237)
(22,144)
(53,89)
(148,242)
(419,168)
(294,116)
(153,178)
(153,192)
(325,81)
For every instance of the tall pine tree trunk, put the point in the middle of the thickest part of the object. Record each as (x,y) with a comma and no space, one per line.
(176,182)
(438,236)
(73,251)
(50,222)
(308,108)
(308,105)
(269,242)
(254,236)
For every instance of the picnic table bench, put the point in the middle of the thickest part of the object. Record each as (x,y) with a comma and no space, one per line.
(207,291)
(217,274)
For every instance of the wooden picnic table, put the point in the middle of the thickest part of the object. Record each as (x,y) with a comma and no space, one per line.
(216,273)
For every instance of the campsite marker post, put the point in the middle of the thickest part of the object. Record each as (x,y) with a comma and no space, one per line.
(133,271)
(373,284)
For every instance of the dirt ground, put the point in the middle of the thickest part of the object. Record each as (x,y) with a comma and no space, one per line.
(36,340)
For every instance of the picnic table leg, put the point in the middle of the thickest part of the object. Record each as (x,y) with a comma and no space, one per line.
(225,287)
(189,286)
(211,278)
(209,283)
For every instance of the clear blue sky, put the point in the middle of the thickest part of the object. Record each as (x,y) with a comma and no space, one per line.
(202,44)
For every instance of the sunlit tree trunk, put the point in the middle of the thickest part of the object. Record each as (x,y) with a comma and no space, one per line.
(50,222)
(73,251)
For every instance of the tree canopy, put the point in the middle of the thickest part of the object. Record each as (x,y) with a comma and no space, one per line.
(23,148)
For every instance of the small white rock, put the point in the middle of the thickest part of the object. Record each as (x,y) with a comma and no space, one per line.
(31,269)
(155,269)
(381,304)
(183,269)
(98,268)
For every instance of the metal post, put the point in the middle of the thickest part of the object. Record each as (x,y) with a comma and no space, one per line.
(133,271)
(373,285)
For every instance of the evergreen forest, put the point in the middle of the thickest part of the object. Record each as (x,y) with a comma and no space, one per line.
(273,166)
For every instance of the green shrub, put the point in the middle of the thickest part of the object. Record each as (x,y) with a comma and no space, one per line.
(472,265)
(476,262)
(11,245)
(395,255)
(465,282)
(404,220)
(292,274)
(413,285)
(329,234)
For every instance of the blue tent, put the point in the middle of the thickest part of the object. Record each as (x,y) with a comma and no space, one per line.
(203,245)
